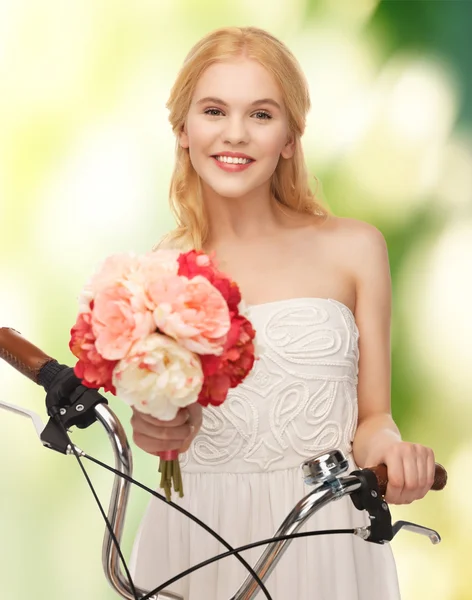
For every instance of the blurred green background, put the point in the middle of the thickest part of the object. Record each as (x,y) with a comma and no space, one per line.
(86,154)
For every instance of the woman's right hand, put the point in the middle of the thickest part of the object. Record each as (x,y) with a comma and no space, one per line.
(154,436)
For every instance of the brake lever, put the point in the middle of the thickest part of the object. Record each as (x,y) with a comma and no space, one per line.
(24,412)
(50,435)
(432,534)
(381,530)
(80,412)
(68,402)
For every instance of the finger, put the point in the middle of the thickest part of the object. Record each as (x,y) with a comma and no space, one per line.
(429,471)
(195,414)
(187,442)
(158,429)
(153,446)
(163,433)
(181,418)
(412,467)
(422,468)
(195,422)
(396,479)
(424,457)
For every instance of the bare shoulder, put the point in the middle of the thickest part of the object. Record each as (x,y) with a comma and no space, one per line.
(359,242)
(360,251)
(354,230)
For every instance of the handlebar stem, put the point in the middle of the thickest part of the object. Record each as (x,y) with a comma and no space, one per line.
(314,501)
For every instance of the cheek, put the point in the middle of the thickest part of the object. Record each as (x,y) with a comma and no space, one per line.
(272,143)
(199,134)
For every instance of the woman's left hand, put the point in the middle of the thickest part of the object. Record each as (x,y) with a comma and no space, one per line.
(410,471)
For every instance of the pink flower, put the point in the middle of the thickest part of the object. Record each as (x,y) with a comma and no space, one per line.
(161,262)
(192,311)
(91,368)
(114,269)
(153,267)
(119,318)
(195,263)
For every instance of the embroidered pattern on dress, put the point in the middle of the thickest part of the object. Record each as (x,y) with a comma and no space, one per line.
(300,398)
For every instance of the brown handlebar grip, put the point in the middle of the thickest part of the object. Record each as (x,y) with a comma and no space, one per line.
(21,354)
(440,477)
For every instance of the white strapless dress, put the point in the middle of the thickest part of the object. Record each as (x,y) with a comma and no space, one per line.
(242,474)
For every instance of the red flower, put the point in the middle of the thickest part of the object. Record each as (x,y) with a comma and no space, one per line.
(229,369)
(229,290)
(239,350)
(91,368)
(214,390)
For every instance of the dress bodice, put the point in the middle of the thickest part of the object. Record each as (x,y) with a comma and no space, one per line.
(299,400)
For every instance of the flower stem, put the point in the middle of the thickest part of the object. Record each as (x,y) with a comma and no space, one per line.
(171,476)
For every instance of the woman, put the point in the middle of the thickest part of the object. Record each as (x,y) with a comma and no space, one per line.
(318,294)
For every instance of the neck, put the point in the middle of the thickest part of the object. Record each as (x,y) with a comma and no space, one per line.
(241,219)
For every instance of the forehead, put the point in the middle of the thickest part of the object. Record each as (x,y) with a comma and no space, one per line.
(237,80)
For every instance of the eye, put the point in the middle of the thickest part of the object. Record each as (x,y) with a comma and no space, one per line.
(213,112)
(263,115)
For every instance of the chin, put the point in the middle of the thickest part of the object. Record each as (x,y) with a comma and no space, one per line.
(230,191)
(235,188)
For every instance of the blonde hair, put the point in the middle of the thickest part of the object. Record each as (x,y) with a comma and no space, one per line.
(289,185)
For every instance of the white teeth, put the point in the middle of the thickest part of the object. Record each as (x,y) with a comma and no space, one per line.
(233,160)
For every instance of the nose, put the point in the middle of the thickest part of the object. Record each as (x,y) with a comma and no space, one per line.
(235,131)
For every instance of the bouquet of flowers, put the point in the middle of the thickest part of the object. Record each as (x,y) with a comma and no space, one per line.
(161,331)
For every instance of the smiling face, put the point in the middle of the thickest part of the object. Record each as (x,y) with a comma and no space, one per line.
(236,128)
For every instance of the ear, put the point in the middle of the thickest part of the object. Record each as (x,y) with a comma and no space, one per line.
(183,137)
(289,149)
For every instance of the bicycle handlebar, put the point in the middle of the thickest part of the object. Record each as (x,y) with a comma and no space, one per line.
(30,361)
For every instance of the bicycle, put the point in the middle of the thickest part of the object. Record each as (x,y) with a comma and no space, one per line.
(71,404)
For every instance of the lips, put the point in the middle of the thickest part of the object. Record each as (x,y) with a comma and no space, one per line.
(232,167)
(234,155)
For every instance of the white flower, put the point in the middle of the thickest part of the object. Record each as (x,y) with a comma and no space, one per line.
(158,377)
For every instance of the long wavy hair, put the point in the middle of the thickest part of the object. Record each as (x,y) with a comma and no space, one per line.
(290,185)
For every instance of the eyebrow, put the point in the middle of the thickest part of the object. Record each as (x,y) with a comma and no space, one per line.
(223,103)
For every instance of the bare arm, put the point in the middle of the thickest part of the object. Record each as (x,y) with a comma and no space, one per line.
(373,317)
(377,439)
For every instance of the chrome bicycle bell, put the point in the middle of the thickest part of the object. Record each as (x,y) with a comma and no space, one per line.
(324,467)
